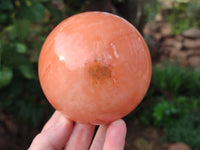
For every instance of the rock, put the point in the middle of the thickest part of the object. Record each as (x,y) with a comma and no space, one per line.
(183,49)
(182,55)
(166,4)
(152,27)
(146,29)
(190,52)
(151,133)
(179,56)
(197,52)
(191,44)
(158,36)
(155,26)
(170,42)
(166,29)
(179,38)
(143,144)
(194,61)
(178,146)
(159,17)
(173,53)
(178,45)
(192,33)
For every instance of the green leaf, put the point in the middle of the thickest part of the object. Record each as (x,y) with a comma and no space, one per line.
(6,5)
(11,58)
(21,48)
(27,71)
(5,19)
(35,12)
(6,75)
(1,50)
(42,0)
(57,14)
(21,29)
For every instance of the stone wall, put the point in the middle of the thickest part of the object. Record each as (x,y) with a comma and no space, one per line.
(183,49)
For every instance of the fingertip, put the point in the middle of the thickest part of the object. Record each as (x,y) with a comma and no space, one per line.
(119,125)
(52,120)
(115,136)
(54,137)
(118,128)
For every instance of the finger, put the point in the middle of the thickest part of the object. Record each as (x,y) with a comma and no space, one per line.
(115,136)
(55,137)
(52,120)
(99,138)
(81,137)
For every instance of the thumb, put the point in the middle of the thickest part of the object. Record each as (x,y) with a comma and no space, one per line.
(55,137)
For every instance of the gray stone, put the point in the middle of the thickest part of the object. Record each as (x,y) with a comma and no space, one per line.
(178,146)
(166,29)
(194,61)
(191,43)
(192,33)
(170,42)
(179,38)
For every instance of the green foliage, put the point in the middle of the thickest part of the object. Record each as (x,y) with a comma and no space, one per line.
(163,112)
(176,101)
(6,5)
(21,48)
(6,76)
(23,100)
(27,71)
(6,8)
(20,29)
(151,10)
(186,129)
(22,25)
(35,12)
(184,15)
(177,80)
(180,25)
(179,18)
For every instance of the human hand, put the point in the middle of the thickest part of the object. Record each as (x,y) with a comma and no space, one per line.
(60,132)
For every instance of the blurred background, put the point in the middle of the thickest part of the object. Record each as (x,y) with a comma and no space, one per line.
(169,116)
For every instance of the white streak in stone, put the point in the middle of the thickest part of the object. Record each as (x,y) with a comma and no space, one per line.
(114,50)
(131,47)
(113,46)
(114,80)
(116,54)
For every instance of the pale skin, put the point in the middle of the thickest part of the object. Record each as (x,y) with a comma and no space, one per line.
(60,133)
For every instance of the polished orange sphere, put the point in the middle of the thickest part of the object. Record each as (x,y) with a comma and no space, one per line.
(95,67)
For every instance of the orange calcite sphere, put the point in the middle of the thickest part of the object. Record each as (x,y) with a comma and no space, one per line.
(95,67)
